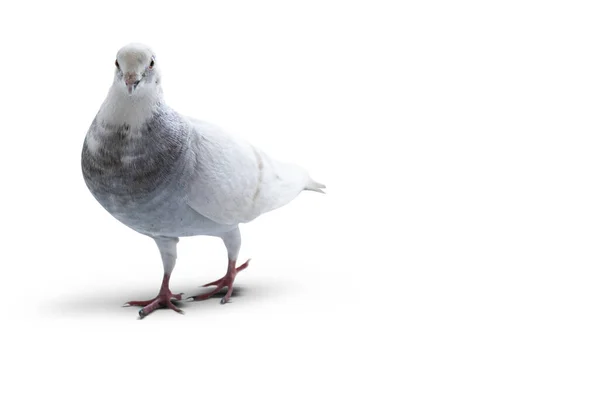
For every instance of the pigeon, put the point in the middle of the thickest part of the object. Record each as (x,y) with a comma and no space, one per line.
(166,175)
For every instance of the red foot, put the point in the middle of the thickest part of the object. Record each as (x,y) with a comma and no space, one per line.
(227,280)
(163,300)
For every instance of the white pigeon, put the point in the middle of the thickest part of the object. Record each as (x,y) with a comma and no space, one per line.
(166,175)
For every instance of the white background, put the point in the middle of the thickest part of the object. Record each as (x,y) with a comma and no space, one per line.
(454,256)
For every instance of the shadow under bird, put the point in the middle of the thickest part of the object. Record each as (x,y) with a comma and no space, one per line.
(166,175)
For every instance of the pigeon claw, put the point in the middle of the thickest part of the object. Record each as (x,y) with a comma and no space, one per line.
(226,281)
(163,300)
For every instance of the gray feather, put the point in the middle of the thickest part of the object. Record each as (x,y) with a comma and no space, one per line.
(175,176)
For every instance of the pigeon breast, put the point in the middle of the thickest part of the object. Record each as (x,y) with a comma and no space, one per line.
(140,176)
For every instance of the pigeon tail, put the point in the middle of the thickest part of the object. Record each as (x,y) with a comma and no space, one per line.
(314,186)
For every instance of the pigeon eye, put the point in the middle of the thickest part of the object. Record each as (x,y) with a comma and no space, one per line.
(152,63)
(117,64)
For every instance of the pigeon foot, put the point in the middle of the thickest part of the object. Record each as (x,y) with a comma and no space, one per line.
(227,280)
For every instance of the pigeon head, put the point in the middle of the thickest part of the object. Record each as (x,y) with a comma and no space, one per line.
(135,69)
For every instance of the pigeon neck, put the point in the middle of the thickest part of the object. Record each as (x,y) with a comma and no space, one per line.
(119,108)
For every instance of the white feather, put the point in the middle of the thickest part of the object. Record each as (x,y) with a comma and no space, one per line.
(236,182)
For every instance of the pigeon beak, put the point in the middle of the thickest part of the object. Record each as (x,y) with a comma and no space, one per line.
(131,87)
(131,82)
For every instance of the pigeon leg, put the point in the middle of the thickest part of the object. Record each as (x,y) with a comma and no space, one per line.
(227,280)
(233,242)
(168,252)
